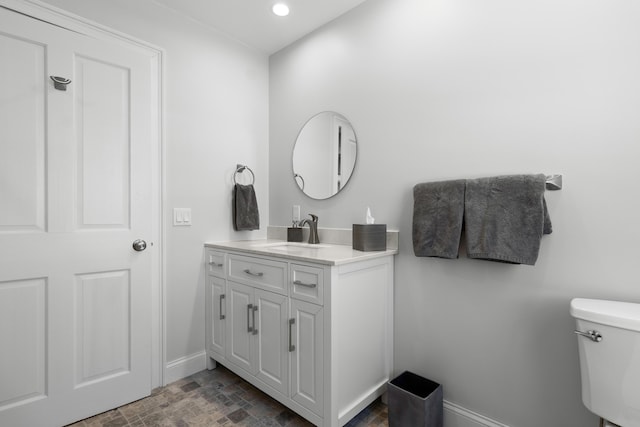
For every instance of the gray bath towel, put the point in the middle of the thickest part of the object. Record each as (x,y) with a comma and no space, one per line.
(245,208)
(438,209)
(505,217)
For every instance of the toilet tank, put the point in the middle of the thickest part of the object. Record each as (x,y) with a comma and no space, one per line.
(610,368)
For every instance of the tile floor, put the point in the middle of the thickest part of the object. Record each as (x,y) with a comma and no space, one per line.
(215,398)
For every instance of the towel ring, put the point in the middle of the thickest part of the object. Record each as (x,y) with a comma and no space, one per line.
(242,168)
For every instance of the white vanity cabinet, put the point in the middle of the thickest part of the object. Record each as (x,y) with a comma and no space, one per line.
(313,333)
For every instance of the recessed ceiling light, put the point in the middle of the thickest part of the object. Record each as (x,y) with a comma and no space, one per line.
(280,9)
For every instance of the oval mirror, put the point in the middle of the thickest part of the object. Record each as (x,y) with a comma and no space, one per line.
(324,155)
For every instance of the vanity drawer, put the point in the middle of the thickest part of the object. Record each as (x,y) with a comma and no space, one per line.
(215,263)
(263,273)
(307,283)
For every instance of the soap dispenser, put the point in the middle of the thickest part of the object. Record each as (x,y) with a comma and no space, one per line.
(294,233)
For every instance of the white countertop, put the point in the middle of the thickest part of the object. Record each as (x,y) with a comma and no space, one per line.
(323,253)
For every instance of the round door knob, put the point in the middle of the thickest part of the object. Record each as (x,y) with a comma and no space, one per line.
(139,245)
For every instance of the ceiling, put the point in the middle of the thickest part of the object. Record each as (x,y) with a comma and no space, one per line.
(252,22)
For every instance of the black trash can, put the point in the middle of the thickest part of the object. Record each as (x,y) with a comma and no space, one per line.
(414,401)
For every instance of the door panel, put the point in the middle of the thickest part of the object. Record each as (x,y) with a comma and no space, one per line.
(22,365)
(102,326)
(307,360)
(218,321)
(239,320)
(75,191)
(271,347)
(22,120)
(102,121)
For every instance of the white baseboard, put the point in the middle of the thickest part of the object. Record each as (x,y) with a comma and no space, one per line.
(185,366)
(457,416)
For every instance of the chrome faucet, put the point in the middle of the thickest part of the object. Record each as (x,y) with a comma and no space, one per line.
(313,229)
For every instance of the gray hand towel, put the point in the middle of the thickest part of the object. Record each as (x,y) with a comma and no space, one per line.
(505,217)
(438,209)
(245,208)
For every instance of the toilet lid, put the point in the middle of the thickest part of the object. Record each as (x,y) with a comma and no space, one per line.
(620,314)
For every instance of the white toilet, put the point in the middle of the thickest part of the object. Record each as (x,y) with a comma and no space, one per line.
(609,350)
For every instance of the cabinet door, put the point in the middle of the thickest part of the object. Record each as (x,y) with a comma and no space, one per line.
(272,339)
(216,313)
(306,349)
(240,321)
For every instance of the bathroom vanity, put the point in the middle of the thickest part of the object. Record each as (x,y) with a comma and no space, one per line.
(310,325)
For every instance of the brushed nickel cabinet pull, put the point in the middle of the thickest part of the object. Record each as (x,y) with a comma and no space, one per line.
(255,330)
(301,283)
(292,347)
(249,310)
(251,273)
(222,316)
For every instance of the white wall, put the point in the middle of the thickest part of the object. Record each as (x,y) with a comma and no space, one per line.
(216,115)
(445,89)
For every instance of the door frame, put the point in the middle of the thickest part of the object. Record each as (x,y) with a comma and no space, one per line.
(61,18)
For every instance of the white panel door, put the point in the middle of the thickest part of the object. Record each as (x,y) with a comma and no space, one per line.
(75,192)
(307,367)
(217,301)
(272,357)
(240,320)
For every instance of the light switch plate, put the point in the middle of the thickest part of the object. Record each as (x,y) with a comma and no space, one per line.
(181,216)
